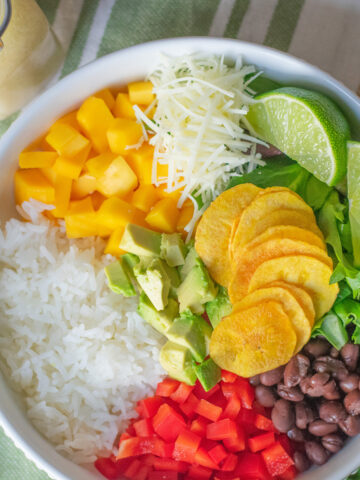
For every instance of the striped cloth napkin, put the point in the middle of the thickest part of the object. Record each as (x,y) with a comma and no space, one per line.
(323,32)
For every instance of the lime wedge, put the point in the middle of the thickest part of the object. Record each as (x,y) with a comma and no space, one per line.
(353,180)
(305,125)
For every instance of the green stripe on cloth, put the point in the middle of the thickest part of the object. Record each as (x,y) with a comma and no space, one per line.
(49,7)
(129,26)
(80,36)
(5,124)
(237,16)
(283,24)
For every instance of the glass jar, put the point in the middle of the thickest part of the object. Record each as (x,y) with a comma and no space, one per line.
(30,53)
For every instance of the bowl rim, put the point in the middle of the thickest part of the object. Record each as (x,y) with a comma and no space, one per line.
(39,102)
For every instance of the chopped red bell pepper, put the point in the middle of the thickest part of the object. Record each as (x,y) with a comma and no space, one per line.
(286,444)
(189,407)
(129,448)
(124,436)
(168,423)
(228,377)
(170,464)
(264,423)
(217,454)
(133,468)
(197,472)
(244,391)
(181,394)
(230,463)
(260,442)
(199,425)
(163,475)
(208,410)
(143,428)
(148,407)
(200,392)
(142,473)
(222,429)
(289,474)
(167,387)
(232,408)
(276,459)
(252,466)
(236,444)
(107,467)
(203,458)
(186,446)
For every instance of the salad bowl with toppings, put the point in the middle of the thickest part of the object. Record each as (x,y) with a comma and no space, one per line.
(222,341)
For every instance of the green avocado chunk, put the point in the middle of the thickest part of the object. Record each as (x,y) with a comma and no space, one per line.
(141,241)
(190,261)
(187,331)
(219,307)
(173,249)
(208,374)
(160,320)
(129,260)
(119,280)
(196,289)
(177,361)
(154,280)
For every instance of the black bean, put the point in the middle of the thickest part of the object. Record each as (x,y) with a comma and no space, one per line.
(255,380)
(293,394)
(352,402)
(332,412)
(333,442)
(301,461)
(335,367)
(304,415)
(265,396)
(272,377)
(317,347)
(316,453)
(334,353)
(331,391)
(314,386)
(296,435)
(350,355)
(283,416)
(350,383)
(319,428)
(351,425)
(295,370)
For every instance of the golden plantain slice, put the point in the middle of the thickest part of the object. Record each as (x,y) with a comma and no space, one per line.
(214,229)
(301,296)
(249,260)
(306,272)
(252,341)
(291,307)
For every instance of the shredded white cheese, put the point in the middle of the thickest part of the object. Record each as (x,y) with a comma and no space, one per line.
(199,126)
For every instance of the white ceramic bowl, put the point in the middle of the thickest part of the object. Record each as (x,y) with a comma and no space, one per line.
(118,69)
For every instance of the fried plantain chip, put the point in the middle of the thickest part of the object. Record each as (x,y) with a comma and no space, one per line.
(291,307)
(249,260)
(288,231)
(252,341)
(214,229)
(306,272)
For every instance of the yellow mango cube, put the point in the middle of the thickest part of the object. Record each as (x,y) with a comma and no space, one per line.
(69,119)
(62,196)
(49,173)
(144,197)
(81,219)
(186,214)
(71,167)
(67,141)
(37,159)
(97,200)
(141,93)
(94,117)
(123,133)
(113,244)
(123,107)
(83,186)
(115,213)
(175,195)
(107,96)
(164,216)
(140,161)
(31,183)
(96,166)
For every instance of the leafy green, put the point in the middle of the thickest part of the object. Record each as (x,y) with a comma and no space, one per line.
(354,476)
(261,84)
(332,328)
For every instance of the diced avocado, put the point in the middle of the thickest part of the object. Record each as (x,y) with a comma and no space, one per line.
(153,279)
(218,308)
(173,249)
(186,331)
(141,241)
(204,326)
(160,320)
(190,262)
(196,289)
(208,374)
(178,362)
(129,260)
(173,274)
(119,280)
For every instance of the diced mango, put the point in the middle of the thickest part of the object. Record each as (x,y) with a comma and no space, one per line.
(164,215)
(175,195)
(113,245)
(140,161)
(49,174)
(107,96)
(37,159)
(141,93)
(185,216)
(69,119)
(83,186)
(81,207)
(67,141)
(122,133)
(71,167)
(94,117)
(144,197)
(115,213)
(96,166)
(97,200)
(31,183)
(123,107)
(81,220)
(62,196)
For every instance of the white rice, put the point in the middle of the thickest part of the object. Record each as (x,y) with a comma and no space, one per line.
(79,354)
